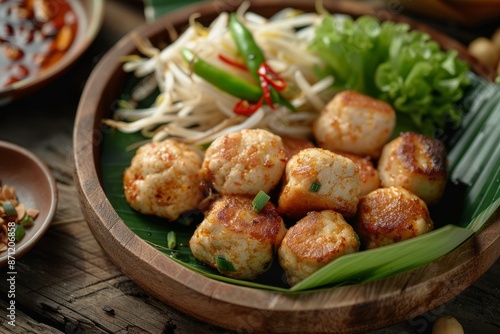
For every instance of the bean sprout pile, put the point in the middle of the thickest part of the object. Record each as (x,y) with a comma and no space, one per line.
(193,111)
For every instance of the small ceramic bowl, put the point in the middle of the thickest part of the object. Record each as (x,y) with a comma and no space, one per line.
(35,187)
(90,15)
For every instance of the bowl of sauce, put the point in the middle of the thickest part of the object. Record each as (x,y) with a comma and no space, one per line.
(40,39)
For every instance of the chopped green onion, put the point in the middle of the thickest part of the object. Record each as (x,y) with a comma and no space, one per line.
(171,240)
(10,210)
(224,265)
(357,238)
(187,218)
(315,186)
(124,104)
(260,201)
(20,232)
(26,221)
(267,265)
(205,146)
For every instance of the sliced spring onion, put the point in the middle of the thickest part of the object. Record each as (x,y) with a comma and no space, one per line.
(171,240)
(123,104)
(188,218)
(10,210)
(315,186)
(357,238)
(260,201)
(26,221)
(20,232)
(224,265)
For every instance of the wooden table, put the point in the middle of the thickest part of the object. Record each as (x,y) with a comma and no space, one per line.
(68,284)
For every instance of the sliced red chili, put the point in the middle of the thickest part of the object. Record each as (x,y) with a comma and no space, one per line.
(246,108)
(266,93)
(233,62)
(272,77)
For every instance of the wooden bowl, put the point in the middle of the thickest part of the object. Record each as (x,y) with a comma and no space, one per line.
(35,187)
(90,14)
(348,309)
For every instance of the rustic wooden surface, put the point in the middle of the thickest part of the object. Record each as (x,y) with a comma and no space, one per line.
(67,284)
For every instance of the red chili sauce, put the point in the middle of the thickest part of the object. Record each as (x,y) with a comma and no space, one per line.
(34,35)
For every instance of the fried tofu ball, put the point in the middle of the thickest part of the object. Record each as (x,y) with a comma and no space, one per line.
(417,163)
(163,180)
(313,242)
(355,123)
(368,174)
(389,215)
(336,177)
(236,240)
(245,162)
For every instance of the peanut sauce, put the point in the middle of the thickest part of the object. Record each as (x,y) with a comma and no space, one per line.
(34,35)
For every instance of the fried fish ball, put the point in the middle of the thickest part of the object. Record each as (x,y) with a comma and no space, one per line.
(313,242)
(245,162)
(368,174)
(163,179)
(318,179)
(417,163)
(243,239)
(389,215)
(355,123)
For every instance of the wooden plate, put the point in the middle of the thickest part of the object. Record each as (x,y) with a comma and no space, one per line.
(90,15)
(348,309)
(35,188)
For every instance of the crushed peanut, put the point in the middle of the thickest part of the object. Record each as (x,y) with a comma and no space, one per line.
(23,217)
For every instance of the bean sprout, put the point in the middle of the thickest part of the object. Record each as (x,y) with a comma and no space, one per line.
(195,112)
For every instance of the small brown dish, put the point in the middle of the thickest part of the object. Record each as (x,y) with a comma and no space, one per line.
(89,14)
(35,187)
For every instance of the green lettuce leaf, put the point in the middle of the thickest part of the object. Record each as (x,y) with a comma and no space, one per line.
(389,62)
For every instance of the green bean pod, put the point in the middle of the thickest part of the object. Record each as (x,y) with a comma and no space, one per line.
(248,48)
(221,79)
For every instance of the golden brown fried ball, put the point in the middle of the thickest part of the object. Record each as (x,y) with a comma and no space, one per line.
(417,163)
(355,123)
(335,176)
(234,232)
(389,215)
(368,174)
(313,242)
(245,162)
(163,180)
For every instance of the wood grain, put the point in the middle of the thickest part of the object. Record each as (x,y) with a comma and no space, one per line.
(349,309)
